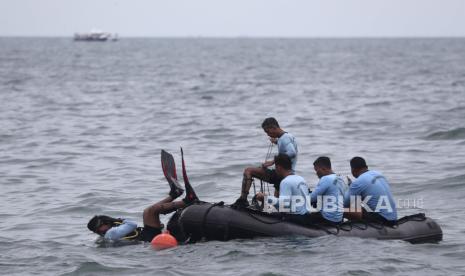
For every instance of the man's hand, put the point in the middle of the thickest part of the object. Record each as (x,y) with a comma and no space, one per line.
(274,140)
(268,164)
(260,196)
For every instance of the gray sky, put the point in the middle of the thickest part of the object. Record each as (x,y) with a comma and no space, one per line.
(276,18)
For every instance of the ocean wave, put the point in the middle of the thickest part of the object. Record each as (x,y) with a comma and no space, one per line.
(454,134)
(96,268)
(456,109)
(17,81)
(455,182)
(378,104)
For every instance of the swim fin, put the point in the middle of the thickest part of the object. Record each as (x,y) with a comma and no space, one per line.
(169,170)
(190,193)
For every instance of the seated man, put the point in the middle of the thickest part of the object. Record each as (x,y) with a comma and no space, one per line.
(329,192)
(293,193)
(122,229)
(286,145)
(374,192)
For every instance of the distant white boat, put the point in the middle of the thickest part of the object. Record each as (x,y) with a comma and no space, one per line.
(95,35)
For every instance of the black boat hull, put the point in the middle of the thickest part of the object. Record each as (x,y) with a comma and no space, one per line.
(218,222)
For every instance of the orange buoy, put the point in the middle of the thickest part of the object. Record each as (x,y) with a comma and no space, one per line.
(163,241)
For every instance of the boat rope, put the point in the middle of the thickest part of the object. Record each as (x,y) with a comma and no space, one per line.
(376,225)
(254,188)
(322,227)
(345,229)
(353,225)
(204,219)
(269,153)
(262,221)
(381,225)
(415,217)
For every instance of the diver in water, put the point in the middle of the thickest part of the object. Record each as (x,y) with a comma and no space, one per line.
(287,145)
(373,189)
(329,190)
(115,229)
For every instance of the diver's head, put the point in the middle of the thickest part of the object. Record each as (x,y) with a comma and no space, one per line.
(358,166)
(271,127)
(283,165)
(322,166)
(101,224)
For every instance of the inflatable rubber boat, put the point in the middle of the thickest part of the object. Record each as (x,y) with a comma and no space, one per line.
(207,221)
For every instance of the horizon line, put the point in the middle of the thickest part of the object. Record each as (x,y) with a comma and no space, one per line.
(253,37)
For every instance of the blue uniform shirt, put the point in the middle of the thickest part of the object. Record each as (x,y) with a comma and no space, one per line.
(287,144)
(293,185)
(373,184)
(331,189)
(120,231)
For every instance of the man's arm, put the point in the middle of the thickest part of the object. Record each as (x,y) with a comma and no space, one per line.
(347,198)
(118,232)
(286,146)
(290,149)
(355,190)
(320,189)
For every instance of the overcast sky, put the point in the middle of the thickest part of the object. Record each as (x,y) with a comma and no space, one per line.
(231,18)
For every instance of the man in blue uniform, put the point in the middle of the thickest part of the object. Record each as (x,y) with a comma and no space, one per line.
(287,145)
(293,193)
(329,192)
(374,192)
